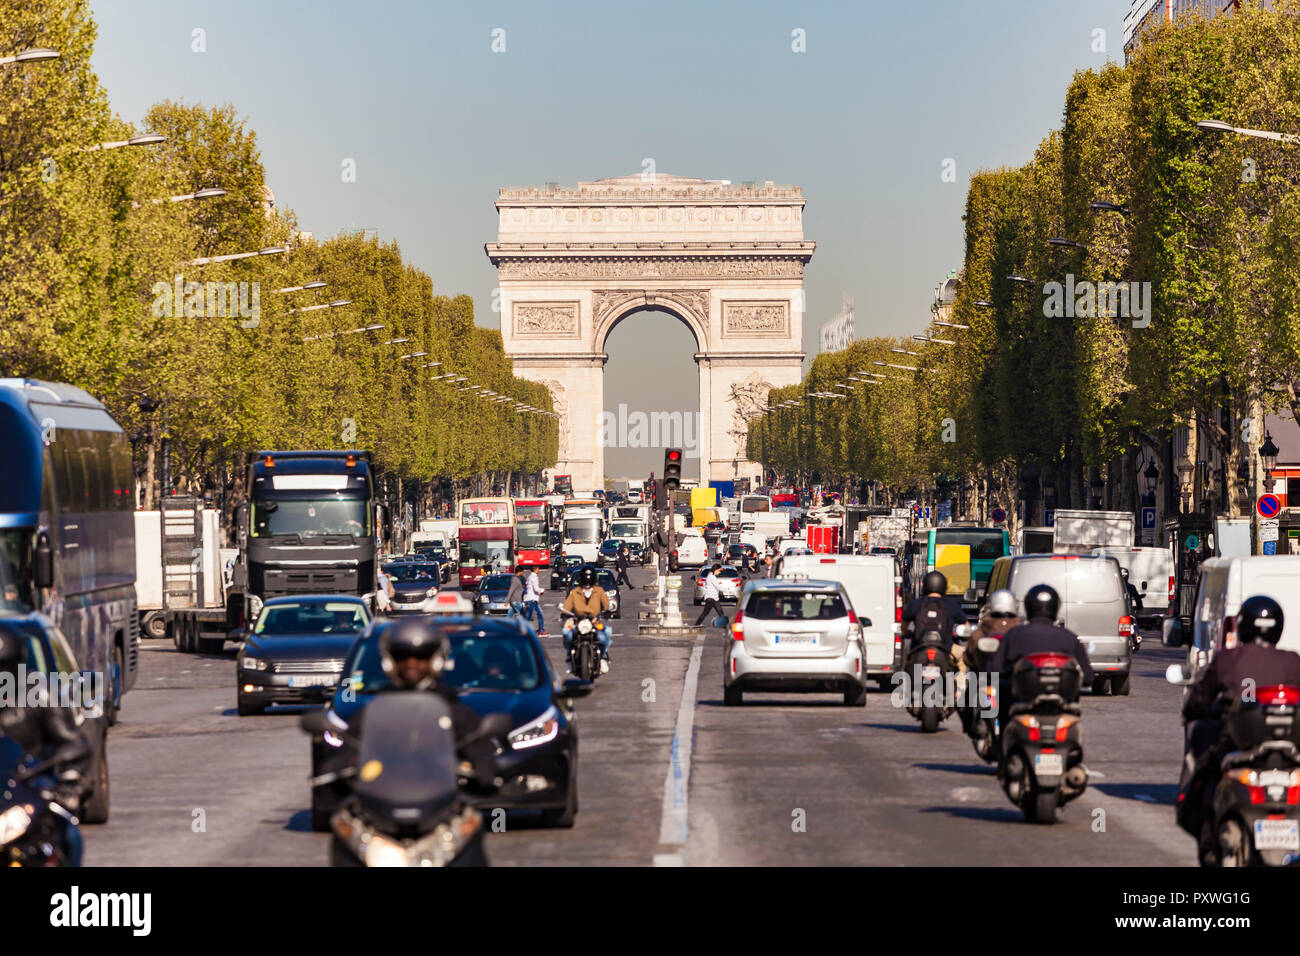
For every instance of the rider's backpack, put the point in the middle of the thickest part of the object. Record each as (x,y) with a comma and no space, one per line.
(932,615)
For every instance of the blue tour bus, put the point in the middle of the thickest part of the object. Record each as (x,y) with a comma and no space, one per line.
(67,525)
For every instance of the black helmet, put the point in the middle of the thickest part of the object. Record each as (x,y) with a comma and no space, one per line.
(1042,601)
(1260,620)
(414,637)
(13,650)
(586,576)
(934,583)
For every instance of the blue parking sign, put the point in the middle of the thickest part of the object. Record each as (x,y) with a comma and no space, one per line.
(1049,517)
(1270,547)
(1148,519)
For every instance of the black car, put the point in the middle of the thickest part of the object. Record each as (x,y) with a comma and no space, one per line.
(50,654)
(609,582)
(492,592)
(636,552)
(562,571)
(608,553)
(294,653)
(498,666)
(435,553)
(414,582)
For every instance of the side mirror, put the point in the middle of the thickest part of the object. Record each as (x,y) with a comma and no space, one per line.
(865,622)
(314,722)
(1172,633)
(988,645)
(43,563)
(1174,674)
(963,630)
(574,687)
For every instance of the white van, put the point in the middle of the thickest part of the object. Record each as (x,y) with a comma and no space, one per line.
(1226,582)
(692,552)
(876,593)
(1151,571)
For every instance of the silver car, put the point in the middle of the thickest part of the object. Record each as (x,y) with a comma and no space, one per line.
(795,636)
(729,583)
(1093,605)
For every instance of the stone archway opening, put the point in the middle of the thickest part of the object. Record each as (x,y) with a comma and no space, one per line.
(651,394)
(726,260)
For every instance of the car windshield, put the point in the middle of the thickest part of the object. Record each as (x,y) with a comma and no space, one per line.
(312,617)
(318,516)
(481,660)
(495,582)
(606,579)
(412,572)
(794,605)
(609,547)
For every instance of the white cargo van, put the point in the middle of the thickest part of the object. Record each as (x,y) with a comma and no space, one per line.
(1226,582)
(1151,571)
(692,552)
(876,593)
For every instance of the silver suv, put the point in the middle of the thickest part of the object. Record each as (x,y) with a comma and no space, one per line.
(795,636)
(1093,605)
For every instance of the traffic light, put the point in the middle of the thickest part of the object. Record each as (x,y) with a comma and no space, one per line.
(659,495)
(672,468)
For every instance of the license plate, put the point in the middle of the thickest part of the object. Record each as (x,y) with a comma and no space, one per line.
(794,639)
(931,672)
(1277,834)
(311,680)
(1048,765)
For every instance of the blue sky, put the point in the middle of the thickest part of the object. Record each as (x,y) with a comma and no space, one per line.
(437,122)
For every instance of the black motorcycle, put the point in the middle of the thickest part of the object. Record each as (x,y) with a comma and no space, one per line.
(35,828)
(586,652)
(928,667)
(979,703)
(406,806)
(1257,800)
(1041,767)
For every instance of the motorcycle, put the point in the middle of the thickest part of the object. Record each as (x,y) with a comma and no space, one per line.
(979,717)
(928,667)
(406,806)
(35,828)
(1256,816)
(586,652)
(1041,767)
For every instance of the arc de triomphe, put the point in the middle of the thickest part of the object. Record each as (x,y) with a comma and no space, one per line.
(726,260)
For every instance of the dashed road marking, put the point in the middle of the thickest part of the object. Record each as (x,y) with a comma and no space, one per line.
(674,825)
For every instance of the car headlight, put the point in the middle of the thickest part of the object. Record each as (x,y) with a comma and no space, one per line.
(483,598)
(14,823)
(542,730)
(431,592)
(254,664)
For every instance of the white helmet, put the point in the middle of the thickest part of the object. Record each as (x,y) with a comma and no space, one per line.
(1001,602)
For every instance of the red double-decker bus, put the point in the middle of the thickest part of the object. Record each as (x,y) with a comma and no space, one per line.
(486,534)
(532,533)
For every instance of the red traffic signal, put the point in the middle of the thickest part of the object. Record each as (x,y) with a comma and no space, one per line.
(672,468)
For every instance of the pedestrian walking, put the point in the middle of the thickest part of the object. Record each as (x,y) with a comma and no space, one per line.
(533,599)
(621,563)
(712,595)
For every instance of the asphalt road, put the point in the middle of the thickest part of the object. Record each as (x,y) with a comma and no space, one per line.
(668,775)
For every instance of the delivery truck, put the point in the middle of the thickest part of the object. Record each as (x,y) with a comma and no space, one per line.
(1079,532)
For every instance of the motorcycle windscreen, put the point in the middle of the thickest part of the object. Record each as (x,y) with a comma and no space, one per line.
(407,767)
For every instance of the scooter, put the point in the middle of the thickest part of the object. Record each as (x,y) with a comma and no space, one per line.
(35,828)
(1041,767)
(928,666)
(1257,800)
(586,650)
(406,806)
(979,716)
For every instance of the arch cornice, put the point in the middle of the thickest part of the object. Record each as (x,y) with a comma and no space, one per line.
(610,306)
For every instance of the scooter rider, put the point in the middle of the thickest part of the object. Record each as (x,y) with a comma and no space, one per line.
(414,653)
(45,732)
(935,610)
(1235,672)
(1040,635)
(998,616)
(587,598)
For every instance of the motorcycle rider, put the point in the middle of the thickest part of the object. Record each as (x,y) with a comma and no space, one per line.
(45,731)
(997,616)
(414,653)
(935,610)
(1235,672)
(587,598)
(1039,635)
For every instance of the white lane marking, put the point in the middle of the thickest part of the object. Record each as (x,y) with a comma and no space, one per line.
(673,826)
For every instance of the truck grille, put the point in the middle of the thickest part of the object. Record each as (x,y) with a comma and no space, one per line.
(326,581)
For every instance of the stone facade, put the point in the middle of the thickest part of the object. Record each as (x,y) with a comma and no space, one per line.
(725,260)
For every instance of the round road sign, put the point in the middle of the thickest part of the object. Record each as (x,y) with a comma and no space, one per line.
(999,515)
(1193,542)
(1268,506)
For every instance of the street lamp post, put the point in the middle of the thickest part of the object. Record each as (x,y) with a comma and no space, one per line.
(34,55)
(1218,126)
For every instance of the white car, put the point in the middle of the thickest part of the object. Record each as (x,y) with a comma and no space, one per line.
(795,636)
(729,582)
(692,552)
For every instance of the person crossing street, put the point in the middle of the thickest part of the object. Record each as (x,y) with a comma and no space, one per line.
(712,595)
